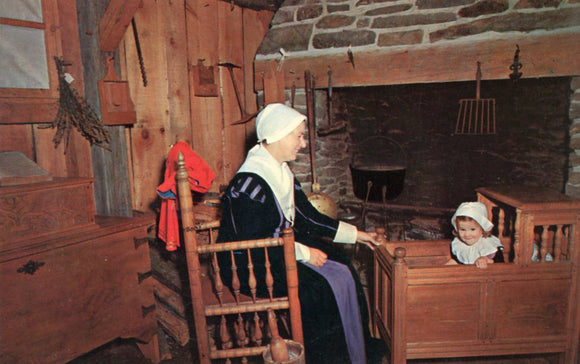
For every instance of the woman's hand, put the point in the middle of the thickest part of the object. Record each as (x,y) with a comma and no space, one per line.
(317,257)
(368,239)
(482,262)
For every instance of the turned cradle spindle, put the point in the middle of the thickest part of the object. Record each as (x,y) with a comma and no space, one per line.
(503,231)
(558,242)
(489,207)
(568,241)
(544,243)
(501,224)
(516,242)
(566,233)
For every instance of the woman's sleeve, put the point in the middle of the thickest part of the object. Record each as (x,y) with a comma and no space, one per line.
(346,233)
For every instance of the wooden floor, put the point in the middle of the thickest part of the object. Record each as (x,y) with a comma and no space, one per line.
(127,352)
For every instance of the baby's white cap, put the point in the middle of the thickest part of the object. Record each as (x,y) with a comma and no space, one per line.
(477,211)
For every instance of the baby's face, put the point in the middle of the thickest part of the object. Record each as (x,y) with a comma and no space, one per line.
(469,231)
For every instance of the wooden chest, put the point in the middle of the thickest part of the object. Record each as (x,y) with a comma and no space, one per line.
(36,210)
(73,291)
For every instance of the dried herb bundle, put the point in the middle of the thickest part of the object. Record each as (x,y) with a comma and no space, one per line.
(73,111)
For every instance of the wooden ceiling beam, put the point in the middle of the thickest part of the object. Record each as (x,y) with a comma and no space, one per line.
(541,55)
(271,5)
(115,21)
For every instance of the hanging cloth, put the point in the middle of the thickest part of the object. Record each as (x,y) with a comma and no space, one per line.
(200,179)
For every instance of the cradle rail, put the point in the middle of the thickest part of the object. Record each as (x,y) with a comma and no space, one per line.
(526,216)
(423,308)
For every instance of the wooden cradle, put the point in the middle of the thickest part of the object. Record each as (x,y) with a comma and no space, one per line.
(423,308)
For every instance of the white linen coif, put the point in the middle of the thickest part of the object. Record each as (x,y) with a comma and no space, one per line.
(276,121)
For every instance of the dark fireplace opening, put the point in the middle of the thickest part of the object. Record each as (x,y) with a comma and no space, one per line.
(415,125)
(530,146)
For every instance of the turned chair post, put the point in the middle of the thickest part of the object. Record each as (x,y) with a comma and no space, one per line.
(292,282)
(193,266)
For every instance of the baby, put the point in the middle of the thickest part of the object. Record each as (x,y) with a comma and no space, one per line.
(474,243)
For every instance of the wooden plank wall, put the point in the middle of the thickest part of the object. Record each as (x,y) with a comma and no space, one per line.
(255,25)
(112,183)
(174,36)
(150,137)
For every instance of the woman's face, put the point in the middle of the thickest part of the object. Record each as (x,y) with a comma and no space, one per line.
(469,231)
(287,148)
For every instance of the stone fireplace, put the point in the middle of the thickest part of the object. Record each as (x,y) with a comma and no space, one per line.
(399,69)
(533,144)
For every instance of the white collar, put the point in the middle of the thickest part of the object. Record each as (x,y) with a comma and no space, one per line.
(278,176)
(468,254)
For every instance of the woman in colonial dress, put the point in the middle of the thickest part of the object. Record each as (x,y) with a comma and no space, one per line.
(263,199)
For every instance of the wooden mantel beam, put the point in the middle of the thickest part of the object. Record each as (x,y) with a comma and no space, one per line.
(551,55)
(114,23)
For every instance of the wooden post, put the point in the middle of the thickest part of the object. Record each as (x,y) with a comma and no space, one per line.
(292,282)
(374,294)
(193,266)
(571,355)
(399,279)
(526,237)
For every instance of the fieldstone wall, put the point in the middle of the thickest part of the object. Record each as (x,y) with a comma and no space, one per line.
(331,158)
(311,27)
(573,183)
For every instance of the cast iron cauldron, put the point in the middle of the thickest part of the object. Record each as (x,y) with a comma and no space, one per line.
(383,163)
(393,177)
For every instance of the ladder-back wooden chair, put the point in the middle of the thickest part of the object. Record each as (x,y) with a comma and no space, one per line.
(229,324)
